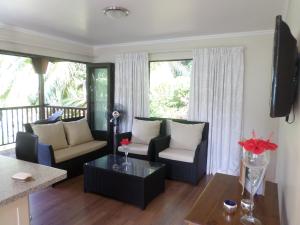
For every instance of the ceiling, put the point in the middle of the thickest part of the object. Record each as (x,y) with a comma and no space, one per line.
(83,20)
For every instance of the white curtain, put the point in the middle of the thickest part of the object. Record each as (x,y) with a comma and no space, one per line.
(216,96)
(132,87)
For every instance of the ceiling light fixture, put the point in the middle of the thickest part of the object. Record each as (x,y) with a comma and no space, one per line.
(116,12)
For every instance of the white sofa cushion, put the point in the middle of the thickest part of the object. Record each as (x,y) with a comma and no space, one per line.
(78,132)
(143,131)
(138,149)
(181,155)
(78,150)
(51,134)
(185,136)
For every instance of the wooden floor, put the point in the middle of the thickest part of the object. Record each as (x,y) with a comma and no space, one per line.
(67,204)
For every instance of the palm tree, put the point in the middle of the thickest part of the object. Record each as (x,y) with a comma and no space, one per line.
(65,84)
(18,82)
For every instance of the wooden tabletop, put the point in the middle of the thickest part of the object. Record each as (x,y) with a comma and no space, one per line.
(208,209)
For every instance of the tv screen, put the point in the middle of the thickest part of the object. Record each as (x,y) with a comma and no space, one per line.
(285,59)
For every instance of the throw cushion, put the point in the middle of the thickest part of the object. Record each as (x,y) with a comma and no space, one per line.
(78,132)
(51,134)
(144,130)
(185,136)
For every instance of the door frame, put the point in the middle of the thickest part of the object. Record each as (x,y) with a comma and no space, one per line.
(110,99)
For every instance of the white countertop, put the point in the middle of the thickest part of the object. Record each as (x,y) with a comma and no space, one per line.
(43,176)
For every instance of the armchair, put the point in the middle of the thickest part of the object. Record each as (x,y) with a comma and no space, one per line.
(140,149)
(181,164)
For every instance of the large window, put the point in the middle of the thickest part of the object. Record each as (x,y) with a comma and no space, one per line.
(169,88)
(65,84)
(18,82)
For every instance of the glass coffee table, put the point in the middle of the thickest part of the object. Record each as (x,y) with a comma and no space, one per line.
(136,182)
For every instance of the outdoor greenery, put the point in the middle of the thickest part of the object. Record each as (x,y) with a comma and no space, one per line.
(100,98)
(169,88)
(64,83)
(18,81)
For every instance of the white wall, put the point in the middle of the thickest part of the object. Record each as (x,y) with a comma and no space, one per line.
(25,41)
(258,60)
(288,168)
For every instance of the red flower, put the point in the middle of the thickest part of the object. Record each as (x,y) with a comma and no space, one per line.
(125,141)
(257,146)
(270,146)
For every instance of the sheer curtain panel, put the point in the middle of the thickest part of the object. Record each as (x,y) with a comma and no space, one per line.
(132,87)
(216,96)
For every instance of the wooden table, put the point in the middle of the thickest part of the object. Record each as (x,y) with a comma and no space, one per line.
(208,209)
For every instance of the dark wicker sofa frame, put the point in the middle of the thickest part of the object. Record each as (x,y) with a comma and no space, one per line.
(73,166)
(184,171)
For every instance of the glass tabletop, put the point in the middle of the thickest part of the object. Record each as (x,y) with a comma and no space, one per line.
(135,167)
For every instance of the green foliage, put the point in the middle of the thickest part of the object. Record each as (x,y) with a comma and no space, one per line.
(18,82)
(181,68)
(169,88)
(178,99)
(65,84)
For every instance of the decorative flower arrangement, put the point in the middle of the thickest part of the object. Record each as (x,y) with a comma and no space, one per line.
(125,141)
(258,145)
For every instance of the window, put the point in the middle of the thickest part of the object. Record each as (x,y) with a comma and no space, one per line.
(18,82)
(65,84)
(169,88)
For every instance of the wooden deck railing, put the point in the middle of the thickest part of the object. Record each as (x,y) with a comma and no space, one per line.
(12,119)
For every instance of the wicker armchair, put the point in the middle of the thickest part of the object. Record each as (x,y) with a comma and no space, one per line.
(141,151)
(185,168)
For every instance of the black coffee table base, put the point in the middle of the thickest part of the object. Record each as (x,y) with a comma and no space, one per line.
(135,190)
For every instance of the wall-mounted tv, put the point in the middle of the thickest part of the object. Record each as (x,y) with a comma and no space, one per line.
(285,70)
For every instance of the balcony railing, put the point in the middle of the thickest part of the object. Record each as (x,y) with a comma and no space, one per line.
(12,119)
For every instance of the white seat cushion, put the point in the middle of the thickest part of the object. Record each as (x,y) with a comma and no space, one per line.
(143,131)
(185,136)
(78,132)
(78,150)
(133,148)
(52,134)
(181,155)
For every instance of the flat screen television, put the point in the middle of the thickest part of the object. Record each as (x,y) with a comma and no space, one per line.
(285,64)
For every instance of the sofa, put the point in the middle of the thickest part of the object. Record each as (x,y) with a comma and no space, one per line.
(67,145)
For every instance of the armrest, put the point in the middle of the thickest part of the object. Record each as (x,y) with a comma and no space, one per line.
(200,158)
(121,136)
(160,144)
(98,136)
(45,155)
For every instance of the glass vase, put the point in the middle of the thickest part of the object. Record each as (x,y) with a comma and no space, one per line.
(126,163)
(256,164)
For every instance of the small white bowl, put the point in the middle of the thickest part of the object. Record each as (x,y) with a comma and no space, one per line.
(230,206)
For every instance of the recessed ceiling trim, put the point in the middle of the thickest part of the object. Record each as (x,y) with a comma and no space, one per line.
(16,29)
(190,38)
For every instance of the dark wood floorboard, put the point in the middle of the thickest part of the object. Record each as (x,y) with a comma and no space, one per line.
(67,204)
